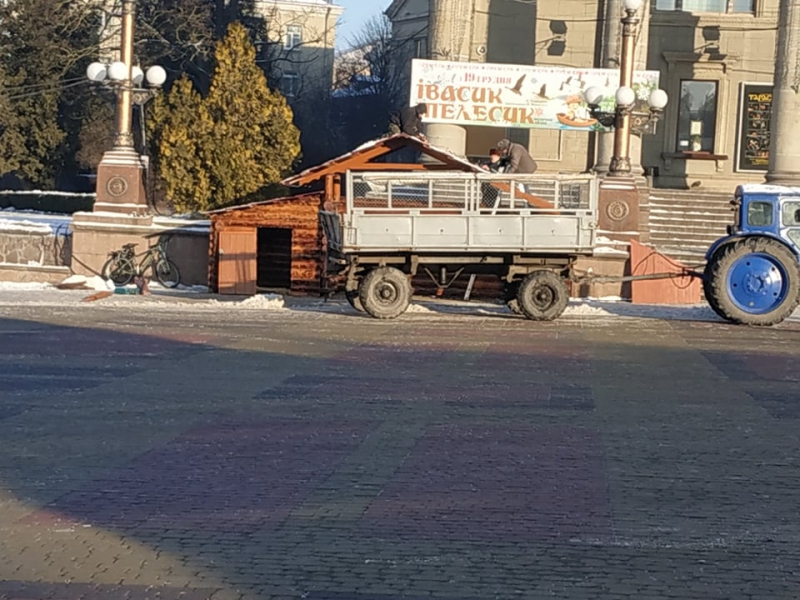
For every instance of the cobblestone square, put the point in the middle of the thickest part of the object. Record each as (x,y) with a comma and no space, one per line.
(172,452)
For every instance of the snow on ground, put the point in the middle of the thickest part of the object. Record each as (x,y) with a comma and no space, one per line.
(18,295)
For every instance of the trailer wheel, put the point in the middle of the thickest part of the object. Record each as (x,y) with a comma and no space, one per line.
(543,296)
(385,293)
(510,297)
(755,281)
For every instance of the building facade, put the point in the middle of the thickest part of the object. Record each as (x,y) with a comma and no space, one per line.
(302,36)
(716,60)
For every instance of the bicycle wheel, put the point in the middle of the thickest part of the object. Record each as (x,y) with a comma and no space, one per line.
(167,273)
(119,270)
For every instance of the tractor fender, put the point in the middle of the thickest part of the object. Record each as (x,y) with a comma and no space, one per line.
(733,238)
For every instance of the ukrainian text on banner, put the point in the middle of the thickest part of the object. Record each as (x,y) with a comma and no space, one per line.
(499,95)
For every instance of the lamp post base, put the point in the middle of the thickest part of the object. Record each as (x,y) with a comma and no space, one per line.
(120,183)
(620,167)
(618,209)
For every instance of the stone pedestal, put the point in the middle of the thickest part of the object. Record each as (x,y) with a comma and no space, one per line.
(618,209)
(94,235)
(120,184)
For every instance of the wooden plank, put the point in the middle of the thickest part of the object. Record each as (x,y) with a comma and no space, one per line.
(237,261)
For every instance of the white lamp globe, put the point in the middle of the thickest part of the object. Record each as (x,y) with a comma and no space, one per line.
(96,72)
(593,95)
(625,96)
(156,76)
(633,5)
(118,71)
(658,99)
(138,75)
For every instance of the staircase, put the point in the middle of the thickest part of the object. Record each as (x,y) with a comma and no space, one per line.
(684,223)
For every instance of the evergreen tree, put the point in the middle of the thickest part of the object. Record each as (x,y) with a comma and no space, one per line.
(180,127)
(239,139)
(44,50)
(254,142)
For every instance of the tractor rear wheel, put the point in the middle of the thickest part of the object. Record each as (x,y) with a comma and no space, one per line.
(755,281)
(708,292)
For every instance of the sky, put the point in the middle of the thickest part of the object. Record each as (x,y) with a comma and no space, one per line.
(356,13)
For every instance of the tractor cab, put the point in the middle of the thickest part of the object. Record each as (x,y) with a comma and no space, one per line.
(752,275)
(768,210)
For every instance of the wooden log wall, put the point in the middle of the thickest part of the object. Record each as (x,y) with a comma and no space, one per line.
(301,215)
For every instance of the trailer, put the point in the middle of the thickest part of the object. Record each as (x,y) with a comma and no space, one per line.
(528,230)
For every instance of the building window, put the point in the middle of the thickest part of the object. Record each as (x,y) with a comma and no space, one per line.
(707,6)
(697,116)
(293,37)
(290,84)
(519,135)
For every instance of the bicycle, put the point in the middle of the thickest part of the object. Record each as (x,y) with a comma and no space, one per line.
(122,266)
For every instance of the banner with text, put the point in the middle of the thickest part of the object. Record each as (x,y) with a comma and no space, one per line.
(499,95)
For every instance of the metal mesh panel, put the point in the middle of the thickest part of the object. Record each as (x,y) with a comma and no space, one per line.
(468,192)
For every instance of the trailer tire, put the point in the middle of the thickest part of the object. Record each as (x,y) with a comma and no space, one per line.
(755,281)
(385,293)
(543,296)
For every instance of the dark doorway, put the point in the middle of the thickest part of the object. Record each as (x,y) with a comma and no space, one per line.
(274,258)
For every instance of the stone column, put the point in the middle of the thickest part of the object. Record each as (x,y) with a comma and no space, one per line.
(449,33)
(784,155)
(612,46)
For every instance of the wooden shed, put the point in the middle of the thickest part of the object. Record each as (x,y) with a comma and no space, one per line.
(279,244)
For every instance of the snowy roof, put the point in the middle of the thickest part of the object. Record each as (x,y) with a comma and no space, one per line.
(375,149)
(763,188)
(261,203)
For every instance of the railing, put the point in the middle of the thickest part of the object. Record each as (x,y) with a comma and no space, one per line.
(469,193)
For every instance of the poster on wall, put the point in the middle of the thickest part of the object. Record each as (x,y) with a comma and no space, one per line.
(518,96)
(755,112)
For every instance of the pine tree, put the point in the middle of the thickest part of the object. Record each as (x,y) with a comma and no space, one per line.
(254,142)
(215,151)
(180,128)
(44,49)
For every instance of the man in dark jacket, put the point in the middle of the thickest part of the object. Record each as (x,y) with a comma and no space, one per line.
(411,120)
(519,160)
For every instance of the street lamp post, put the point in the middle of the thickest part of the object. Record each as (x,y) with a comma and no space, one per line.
(120,182)
(623,119)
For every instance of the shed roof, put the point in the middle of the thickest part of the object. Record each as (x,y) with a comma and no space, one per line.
(295,198)
(361,157)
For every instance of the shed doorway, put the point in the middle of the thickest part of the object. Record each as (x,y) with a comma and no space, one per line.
(274,259)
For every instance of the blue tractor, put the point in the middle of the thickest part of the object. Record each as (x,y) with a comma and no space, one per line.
(752,275)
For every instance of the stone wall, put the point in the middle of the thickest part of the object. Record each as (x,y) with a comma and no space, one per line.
(96,234)
(34,249)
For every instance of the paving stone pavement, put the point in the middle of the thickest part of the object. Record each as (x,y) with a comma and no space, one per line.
(302,454)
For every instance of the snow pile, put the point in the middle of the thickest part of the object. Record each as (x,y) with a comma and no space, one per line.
(81,282)
(585,309)
(418,308)
(24,226)
(258,302)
